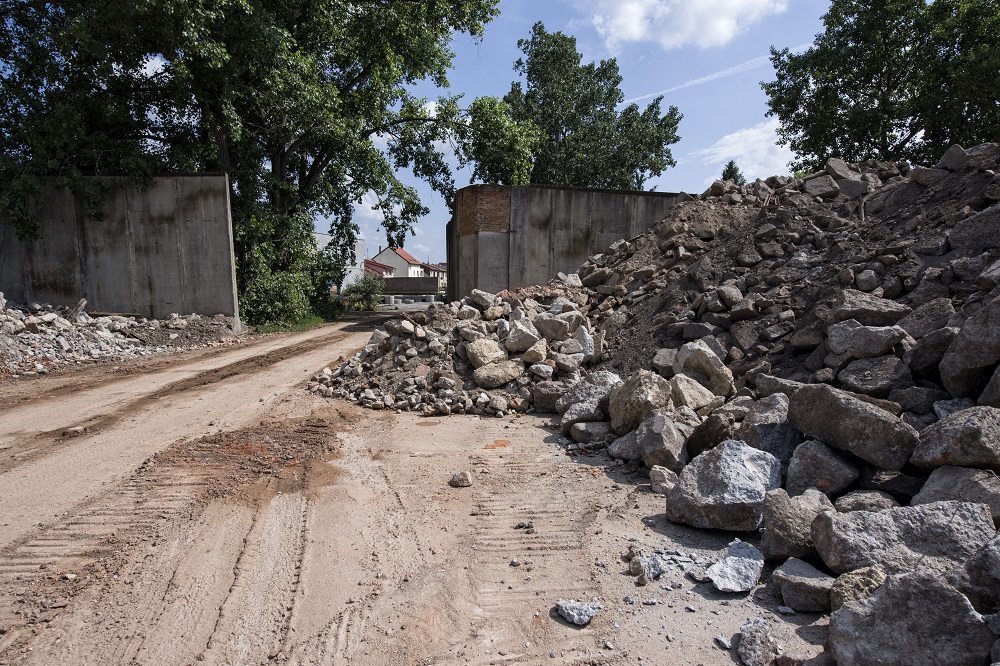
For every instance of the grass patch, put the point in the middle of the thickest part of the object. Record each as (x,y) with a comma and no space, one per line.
(308,322)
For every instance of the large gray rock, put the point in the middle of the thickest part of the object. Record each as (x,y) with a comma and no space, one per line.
(927,318)
(926,355)
(661,439)
(937,536)
(979,579)
(867,309)
(625,448)
(496,375)
(911,620)
(483,299)
(766,427)
(718,427)
(979,232)
(803,587)
(724,488)
(688,392)
(815,465)
(865,500)
(990,397)
(876,377)
(962,484)
(485,351)
(859,341)
(972,358)
(970,438)
(917,399)
(698,361)
(788,523)
(824,187)
(847,423)
(522,336)
(739,569)
(558,327)
(631,401)
(545,395)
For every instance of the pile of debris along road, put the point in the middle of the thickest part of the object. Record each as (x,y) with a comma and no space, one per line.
(36,338)
(814,358)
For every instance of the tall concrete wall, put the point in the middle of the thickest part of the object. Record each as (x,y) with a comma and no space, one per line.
(508,237)
(165,249)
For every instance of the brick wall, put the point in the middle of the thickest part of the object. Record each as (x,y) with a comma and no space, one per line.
(483,208)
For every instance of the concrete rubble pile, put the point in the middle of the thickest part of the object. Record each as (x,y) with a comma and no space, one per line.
(814,359)
(36,338)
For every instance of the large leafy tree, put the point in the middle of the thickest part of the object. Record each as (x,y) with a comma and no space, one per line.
(890,79)
(304,103)
(568,113)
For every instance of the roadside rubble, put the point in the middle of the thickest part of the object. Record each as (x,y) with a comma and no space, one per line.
(815,359)
(36,338)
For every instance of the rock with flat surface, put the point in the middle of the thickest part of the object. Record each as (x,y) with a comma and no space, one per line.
(631,401)
(688,392)
(661,439)
(927,318)
(803,587)
(970,438)
(868,309)
(962,484)
(739,570)
(865,500)
(496,375)
(485,351)
(970,361)
(926,355)
(979,579)
(522,336)
(766,427)
(545,395)
(625,447)
(859,341)
(661,479)
(718,427)
(916,619)
(724,488)
(938,536)
(788,523)
(978,232)
(816,465)
(847,423)
(698,361)
(876,377)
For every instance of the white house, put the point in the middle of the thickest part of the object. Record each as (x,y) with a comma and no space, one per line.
(404,262)
(356,269)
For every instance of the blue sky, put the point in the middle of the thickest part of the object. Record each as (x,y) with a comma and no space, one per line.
(705,57)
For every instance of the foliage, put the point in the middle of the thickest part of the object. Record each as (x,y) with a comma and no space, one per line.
(305,104)
(733,173)
(365,291)
(567,117)
(892,80)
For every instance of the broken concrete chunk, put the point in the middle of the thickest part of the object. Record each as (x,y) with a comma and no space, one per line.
(766,427)
(758,646)
(631,401)
(937,536)
(865,500)
(485,351)
(962,484)
(577,612)
(868,309)
(496,375)
(859,341)
(522,336)
(661,440)
(915,619)
(625,448)
(788,523)
(724,488)
(739,570)
(850,424)
(972,358)
(978,232)
(816,465)
(803,587)
(855,585)
(928,318)
(697,360)
(686,391)
(876,377)
(970,438)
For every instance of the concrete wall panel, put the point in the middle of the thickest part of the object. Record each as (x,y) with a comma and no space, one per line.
(153,252)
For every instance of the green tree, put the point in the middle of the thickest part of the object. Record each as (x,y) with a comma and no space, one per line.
(582,138)
(733,173)
(305,104)
(892,79)
(365,291)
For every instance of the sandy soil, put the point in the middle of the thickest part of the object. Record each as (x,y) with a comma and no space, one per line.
(214,512)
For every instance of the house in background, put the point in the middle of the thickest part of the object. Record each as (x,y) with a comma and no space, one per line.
(406,264)
(356,269)
(439,272)
(381,270)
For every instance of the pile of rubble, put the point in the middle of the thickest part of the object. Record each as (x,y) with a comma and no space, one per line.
(814,358)
(36,338)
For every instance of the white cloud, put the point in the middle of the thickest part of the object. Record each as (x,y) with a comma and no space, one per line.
(755,150)
(678,23)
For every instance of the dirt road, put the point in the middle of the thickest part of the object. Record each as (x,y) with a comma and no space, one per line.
(216,513)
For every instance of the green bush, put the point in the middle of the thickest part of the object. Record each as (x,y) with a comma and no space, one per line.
(365,292)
